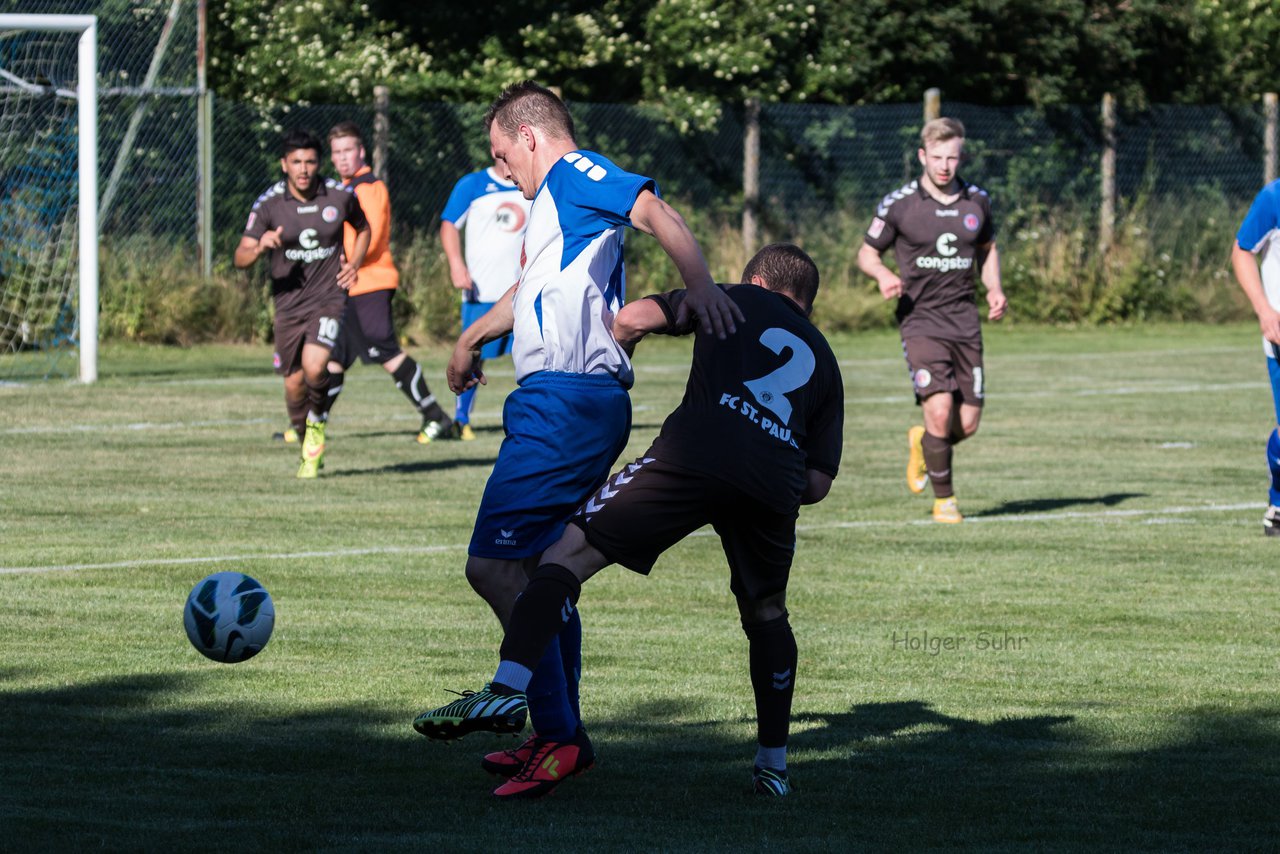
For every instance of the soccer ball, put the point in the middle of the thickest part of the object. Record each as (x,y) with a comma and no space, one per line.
(229,617)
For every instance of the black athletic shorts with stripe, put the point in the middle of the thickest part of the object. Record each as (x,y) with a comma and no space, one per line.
(649,506)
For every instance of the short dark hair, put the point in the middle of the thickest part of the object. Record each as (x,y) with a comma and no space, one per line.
(785,268)
(527,103)
(342,129)
(298,138)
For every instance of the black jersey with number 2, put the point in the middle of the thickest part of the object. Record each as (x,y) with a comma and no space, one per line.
(762,405)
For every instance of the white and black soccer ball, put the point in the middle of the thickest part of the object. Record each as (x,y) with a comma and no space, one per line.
(229,617)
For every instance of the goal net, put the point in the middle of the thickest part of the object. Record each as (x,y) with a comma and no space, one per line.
(48,207)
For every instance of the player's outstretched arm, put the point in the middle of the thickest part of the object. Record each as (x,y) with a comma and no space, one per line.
(996,299)
(869,262)
(715,311)
(464,371)
(1245,267)
(451,243)
(636,320)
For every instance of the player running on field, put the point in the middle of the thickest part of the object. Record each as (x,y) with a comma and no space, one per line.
(759,432)
(569,416)
(368,330)
(1255,257)
(494,214)
(943,237)
(300,221)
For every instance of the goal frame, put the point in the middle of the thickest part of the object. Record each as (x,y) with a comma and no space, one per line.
(86,95)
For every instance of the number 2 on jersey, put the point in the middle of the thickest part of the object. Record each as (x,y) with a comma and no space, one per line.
(770,390)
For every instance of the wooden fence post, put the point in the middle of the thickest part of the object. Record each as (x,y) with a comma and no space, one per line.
(1107,213)
(751,176)
(381,130)
(932,104)
(1269,110)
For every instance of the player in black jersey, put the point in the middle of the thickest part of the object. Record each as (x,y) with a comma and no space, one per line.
(758,433)
(300,222)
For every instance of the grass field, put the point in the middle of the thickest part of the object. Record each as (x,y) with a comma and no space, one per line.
(1105,674)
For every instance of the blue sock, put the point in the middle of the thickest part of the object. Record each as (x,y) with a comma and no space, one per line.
(571,660)
(549,710)
(1273,462)
(462,413)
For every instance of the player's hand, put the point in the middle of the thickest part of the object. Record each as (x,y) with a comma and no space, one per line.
(463,370)
(461,278)
(716,313)
(1270,323)
(271,239)
(348,273)
(890,287)
(997,303)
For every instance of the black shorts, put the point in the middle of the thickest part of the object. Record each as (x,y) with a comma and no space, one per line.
(649,506)
(368,332)
(321,325)
(945,366)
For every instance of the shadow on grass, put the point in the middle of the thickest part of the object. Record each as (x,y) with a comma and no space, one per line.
(1044,505)
(415,467)
(154,761)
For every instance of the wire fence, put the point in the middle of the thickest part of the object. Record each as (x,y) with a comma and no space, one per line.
(813,158)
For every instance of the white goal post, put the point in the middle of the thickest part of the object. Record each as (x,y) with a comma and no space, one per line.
(86,95)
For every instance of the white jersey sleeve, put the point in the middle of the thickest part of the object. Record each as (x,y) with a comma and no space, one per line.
(572,282)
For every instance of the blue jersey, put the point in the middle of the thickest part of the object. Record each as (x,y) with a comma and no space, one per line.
(572,280)
(494,213)
(1260,234)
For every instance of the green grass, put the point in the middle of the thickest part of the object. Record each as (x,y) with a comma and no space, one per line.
(1114,500)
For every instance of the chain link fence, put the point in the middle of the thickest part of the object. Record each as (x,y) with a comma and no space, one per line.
(822,168)
(813,157)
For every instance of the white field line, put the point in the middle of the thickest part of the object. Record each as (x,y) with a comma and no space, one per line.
(1148,516)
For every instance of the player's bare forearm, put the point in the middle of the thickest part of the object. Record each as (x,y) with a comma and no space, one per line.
(451,243)
(364,238)
(996,301)
(1245,266)
(635,321)
(491,325)
(464,370)
(871,264)
(717,313)
(246,253)
(817,485)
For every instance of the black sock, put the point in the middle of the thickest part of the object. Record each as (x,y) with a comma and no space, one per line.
(318,397)
(408,378)
(335,388)
(937,459)
(773,677)
(539,614)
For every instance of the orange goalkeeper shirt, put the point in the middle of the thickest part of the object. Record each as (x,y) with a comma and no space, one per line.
(378,273)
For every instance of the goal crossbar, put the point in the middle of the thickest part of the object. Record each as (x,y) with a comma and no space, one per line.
(87,168)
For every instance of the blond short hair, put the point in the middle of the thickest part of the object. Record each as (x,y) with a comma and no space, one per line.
(941,130)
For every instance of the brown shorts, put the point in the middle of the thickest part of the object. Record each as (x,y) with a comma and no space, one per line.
(649,506)
(950,366)
(320,325)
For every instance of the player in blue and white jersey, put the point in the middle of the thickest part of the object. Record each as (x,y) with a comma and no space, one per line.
(1255,257)
(570,415)
(494,213)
